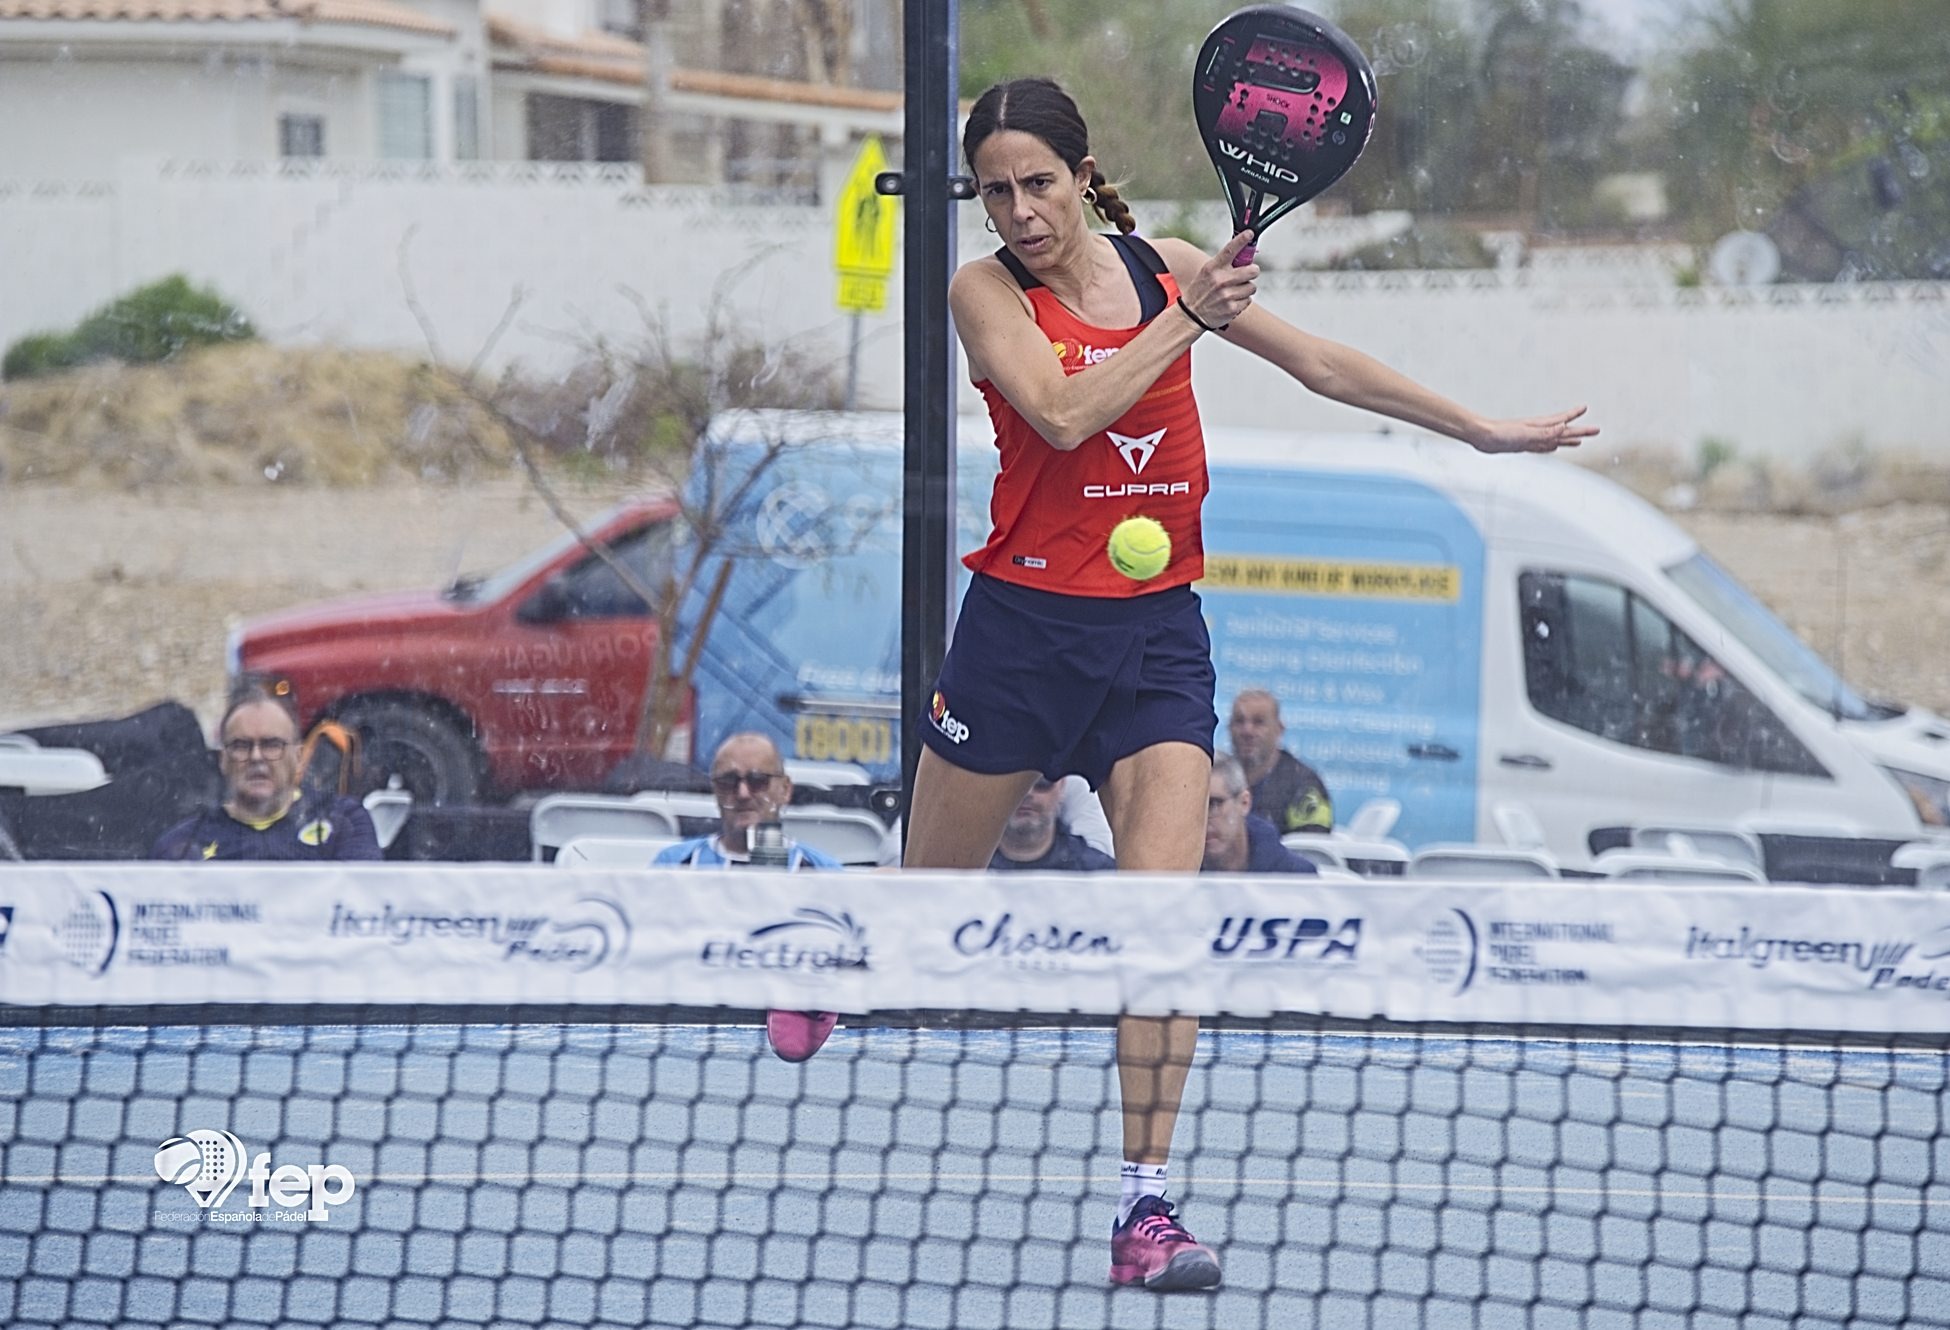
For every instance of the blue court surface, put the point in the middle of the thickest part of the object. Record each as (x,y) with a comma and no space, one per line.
(683,1176)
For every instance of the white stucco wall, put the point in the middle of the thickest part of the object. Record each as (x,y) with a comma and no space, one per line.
(316,255)
(216,107)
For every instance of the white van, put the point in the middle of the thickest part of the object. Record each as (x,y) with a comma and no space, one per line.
(1453,631)
(1461,632)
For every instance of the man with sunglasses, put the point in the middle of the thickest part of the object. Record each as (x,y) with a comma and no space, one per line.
(1035,838)
(264,815)
(749,781)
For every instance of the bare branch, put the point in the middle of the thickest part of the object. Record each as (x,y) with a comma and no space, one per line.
(516,299)
(419,311)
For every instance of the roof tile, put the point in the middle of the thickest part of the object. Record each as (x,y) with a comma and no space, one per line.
(594,55)
(362,13)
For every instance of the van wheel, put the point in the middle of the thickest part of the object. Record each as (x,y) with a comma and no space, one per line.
(417,746)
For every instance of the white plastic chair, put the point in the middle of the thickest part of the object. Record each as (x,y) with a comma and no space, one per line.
(676,806)
(1324,873)
(612,851)
(850,835)
(1930,859)
(558,819)
(50,770)
(826,775)
(1374,819)
(1646,866)
(1497,862)
(1518,826)
(1338,850)
(1316,850)
(389,809)
(1713,842)
(1367,856)
(1083,813)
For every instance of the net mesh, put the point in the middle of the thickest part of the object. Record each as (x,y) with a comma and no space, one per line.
(661,1167)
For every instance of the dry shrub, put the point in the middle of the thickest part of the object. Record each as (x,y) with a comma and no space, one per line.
(238,414)
(1649,471)
(646,407)
(1845,479)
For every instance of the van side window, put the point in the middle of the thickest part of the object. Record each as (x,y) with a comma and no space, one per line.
(594,591)
(1604,660)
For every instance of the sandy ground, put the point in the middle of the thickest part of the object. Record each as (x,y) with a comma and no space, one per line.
(111,600)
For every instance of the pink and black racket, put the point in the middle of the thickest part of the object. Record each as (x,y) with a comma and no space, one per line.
(1284,101)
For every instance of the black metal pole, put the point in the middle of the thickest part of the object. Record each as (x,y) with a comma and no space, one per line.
(928,514)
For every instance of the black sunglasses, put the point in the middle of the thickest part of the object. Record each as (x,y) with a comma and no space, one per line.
(727,782)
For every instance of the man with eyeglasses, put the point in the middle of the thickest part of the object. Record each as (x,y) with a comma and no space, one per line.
(1035,838)
(749,781)
(1238,840)
(264,815)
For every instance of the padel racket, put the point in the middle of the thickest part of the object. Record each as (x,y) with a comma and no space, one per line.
(1284,101)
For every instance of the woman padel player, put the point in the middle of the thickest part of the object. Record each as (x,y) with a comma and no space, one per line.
(1080,341)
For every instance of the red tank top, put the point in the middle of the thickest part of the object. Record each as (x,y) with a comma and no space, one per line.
(1052,511)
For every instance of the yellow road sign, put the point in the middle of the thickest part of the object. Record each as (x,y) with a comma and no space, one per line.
(863,234)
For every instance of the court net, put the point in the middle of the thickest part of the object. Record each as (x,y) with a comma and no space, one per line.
(578,1164)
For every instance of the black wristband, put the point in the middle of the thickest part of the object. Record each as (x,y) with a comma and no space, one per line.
(1200,322)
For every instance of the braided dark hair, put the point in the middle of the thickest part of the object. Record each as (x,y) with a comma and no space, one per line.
(1039,106)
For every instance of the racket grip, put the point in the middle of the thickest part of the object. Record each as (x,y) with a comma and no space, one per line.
(1244,256)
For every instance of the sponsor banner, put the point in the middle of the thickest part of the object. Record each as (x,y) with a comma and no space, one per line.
(1054,942)
(1659,954)
(1626,954)
(93,934)
(1267,945)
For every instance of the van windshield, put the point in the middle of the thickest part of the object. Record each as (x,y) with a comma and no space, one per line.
(1754,625)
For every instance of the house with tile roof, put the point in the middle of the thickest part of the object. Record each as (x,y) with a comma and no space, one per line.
(87,84)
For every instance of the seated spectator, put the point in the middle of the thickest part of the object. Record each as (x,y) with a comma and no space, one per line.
(1286,791)
(749,782)
(1036,838)
(1238,840)
(265,813)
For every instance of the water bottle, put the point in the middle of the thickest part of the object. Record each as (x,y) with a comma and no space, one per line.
(768,846)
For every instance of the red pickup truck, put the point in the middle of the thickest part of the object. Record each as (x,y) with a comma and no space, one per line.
(528,678)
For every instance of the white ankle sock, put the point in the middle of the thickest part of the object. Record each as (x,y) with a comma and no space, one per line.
(1139,1180)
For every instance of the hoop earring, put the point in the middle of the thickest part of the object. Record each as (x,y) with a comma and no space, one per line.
(988,224)
(1090,195)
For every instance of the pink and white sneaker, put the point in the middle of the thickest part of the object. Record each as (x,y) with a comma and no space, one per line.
(1152,1248)
(797,1035)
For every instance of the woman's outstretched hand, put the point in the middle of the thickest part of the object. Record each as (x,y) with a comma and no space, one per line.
(1538,434)
(1219,293)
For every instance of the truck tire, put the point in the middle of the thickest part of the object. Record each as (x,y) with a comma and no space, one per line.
(416,745)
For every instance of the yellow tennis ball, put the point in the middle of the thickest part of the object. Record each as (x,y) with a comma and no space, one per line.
(1139,548)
